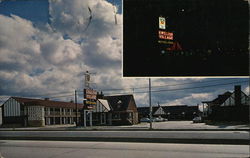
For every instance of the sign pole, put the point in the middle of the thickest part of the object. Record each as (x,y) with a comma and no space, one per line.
(150,105)
(76,107)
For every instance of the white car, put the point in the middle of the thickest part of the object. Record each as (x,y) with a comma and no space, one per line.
(145,119)
(197,120)
(159,119)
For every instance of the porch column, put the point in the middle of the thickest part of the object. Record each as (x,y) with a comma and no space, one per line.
(90,118)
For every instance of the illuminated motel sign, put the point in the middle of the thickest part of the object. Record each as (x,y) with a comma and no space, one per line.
(90,97)
(162,23)
(166,35)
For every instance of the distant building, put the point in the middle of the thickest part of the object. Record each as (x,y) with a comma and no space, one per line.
(230,106)
(177,112)
(37,112)
(159,112)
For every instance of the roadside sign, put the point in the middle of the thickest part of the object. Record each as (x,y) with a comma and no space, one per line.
(162,23)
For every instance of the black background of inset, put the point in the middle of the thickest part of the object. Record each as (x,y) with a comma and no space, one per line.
(221,26)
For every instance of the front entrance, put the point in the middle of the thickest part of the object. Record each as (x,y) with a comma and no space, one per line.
(103,118)
(87,114)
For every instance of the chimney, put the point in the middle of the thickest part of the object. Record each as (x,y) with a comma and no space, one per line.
(237,93)
(100,95)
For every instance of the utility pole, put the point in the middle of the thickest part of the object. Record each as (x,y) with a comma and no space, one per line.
(76,106)
(150,105)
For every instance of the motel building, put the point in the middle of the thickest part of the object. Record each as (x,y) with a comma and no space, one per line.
(29,112)
(25,112)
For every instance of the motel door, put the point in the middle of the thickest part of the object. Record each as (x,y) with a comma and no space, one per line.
(103,118)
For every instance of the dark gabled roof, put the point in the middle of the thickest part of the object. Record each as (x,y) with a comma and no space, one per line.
(145,110)
(221,98)
(119,102)
(46,103)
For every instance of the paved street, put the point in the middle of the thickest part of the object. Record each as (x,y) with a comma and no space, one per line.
(62,149)
(132,134)
(218,137)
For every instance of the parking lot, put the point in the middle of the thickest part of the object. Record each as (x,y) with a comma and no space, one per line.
(185,125)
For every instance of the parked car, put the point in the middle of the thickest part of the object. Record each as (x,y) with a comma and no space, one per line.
(197,120)
(145,119)
(159,119)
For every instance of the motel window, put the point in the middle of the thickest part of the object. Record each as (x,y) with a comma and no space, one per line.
(130,115)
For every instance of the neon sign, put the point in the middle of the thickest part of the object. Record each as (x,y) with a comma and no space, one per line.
(166,35)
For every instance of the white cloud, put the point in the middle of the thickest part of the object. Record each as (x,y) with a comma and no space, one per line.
(192,99)
(39,60)
(72,18)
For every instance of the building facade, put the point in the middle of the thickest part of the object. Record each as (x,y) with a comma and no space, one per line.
(102,113)
(116,110)
(18,111)
(230,106)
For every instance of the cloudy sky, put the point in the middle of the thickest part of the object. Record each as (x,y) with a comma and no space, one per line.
(46,46)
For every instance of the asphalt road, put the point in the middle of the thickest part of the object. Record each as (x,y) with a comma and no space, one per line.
(63,149)
(132,134)
(211,137)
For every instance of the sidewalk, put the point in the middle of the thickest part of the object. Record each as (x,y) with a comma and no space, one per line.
(193,137)
(157,126)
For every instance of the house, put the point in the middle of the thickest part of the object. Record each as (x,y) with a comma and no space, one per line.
(230,106)
(102,114)
(159,112)
(181,112)
(19,111)
(123,109)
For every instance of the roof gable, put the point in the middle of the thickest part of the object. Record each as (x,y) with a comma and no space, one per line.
(221,98)
(159,111)
(120,102)
(105,104)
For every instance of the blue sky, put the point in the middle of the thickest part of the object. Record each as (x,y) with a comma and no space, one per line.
(38,61)
(36,11)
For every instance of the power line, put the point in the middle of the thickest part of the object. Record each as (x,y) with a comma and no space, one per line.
(71,93)
(187,88)
(204,86)
(130,88)
(200,86)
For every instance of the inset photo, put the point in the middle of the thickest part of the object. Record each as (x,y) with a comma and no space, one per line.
(185,38)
